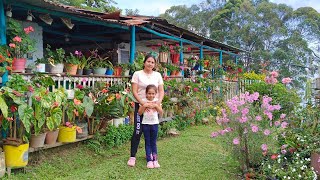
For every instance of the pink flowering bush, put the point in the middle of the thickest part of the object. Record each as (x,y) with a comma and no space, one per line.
(249,122)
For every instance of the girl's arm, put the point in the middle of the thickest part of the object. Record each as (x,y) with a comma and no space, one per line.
(142,108)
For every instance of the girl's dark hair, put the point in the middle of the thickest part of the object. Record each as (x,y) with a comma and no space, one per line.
(151,86)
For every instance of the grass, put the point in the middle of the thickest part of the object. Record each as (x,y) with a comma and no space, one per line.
(192,155)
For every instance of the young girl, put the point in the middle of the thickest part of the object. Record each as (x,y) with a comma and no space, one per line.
(150,122)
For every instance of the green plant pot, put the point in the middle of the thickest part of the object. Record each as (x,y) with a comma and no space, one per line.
(99,71)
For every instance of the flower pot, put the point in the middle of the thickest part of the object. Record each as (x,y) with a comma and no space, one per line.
(2,164)
(52,136)
(163,57)
(57,68)
(28,70)
(99,71)
(67,134)
(41,67)
(87,71)
(315,162)
(79,71)
(175,58)
(71,69)
(117,71)
(16,156)
(118,121)
(48,67)
(109,72)
(18,64)
(84,127)
(126,73)
(37,140)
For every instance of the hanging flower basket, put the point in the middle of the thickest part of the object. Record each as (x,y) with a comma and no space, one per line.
(163,57)
(175,58)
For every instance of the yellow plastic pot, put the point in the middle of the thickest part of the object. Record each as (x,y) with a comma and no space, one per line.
(67,134)
(16,157)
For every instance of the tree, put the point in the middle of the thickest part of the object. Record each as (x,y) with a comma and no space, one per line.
(98,5)
(274,34)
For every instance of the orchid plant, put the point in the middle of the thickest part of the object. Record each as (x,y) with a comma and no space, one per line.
(249,121)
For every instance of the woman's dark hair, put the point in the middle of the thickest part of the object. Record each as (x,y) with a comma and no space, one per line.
(149,56)
(151,86)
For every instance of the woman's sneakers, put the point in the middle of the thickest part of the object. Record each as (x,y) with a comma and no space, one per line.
(156,164)
(150,165)
(132,161)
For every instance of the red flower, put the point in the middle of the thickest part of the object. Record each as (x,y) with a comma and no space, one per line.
(118,96)
(30,88)
(274,156)
(9,119)
(79,86)
(104,90)
(38,98)
(9,68)
(13,108)
(55,104)
(16,93)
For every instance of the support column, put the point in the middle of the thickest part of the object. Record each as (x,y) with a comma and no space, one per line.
(220,62)
(132,43)
(3,39)
(236,59)
(201,56)
(220,58)
(181,52)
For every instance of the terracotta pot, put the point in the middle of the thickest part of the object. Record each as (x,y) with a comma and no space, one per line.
(175,58)
(117,71)
(37,140)
(18,64)
(71,69)
(52,136)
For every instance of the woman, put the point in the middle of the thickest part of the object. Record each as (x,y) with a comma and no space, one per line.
(140,80)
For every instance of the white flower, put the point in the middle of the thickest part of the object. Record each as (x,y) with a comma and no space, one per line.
(269,166)
(284,177)
(294,170)
(289,177)
(312,168)
(308,147)
(299,176)
(298,154)
(123,92)
(301,162)
(279,160)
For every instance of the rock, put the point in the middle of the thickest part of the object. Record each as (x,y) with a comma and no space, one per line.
(173,132)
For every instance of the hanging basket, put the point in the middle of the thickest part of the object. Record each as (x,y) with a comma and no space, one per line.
(175,58)
(163,57)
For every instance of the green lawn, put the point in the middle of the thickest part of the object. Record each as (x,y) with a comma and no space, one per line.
(192,155)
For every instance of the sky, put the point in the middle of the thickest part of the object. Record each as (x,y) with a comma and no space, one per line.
(156,7)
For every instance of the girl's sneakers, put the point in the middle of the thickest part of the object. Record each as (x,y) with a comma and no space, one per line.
(150,165)
(156,164)
(132,161)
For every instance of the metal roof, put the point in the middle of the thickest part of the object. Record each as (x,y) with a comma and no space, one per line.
(115,17)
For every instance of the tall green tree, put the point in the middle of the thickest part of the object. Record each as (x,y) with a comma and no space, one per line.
(98,5)
(274,34)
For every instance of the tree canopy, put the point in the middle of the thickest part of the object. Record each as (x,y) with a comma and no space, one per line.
(275,34)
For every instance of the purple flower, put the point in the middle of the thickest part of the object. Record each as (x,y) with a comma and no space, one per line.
(282,116)
(236,141)
(277,123)
(283,151)
(214,134)
(264,147)
(266,132)
(284,124)
(258,118)
(254,128)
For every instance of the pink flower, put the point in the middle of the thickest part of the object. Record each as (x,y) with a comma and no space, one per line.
(254,128)
(258,118)
(29,29)
(274,74)
(282,116)
(283,151)
(277,123)
(17,39)
(222,132)
(284,124)
(264,147)
(243,119)
(214,134)
(245,111)
(286,80)
(236,141)
(284,146)
(266,132)
(12,45)
(195,89)
(79,86)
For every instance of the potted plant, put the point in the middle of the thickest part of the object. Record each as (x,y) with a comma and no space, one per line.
(72,62)
(174,70)
(15,141)
(163,52)
(175,53)
(41,64)
(84,63)
(100,64)
(20,44)
(55,59)
(125,69)
(30,67)
(117,69)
